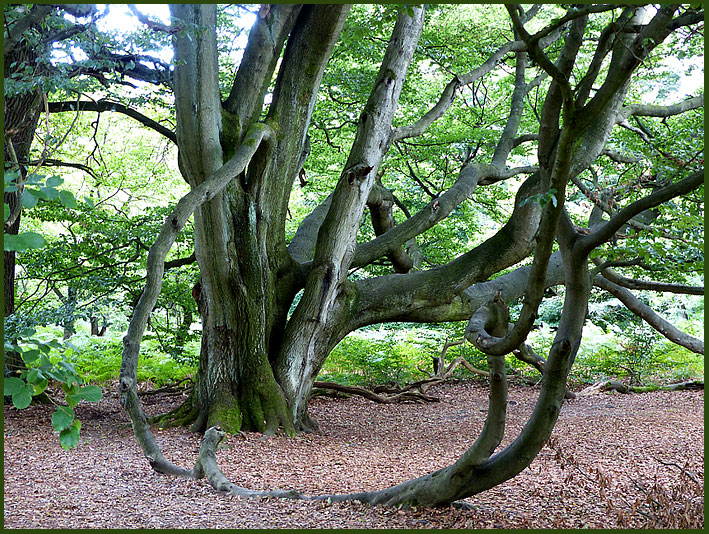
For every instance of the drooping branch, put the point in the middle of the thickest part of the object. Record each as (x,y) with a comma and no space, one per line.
(647,285)
(489,323)
(646,313)
(106,105)
(155,268)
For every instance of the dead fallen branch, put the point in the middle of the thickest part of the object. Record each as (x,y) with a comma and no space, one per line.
(617,385)
(413,392)
(404,395)
(169,389)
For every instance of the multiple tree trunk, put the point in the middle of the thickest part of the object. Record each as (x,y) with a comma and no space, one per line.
(258,365)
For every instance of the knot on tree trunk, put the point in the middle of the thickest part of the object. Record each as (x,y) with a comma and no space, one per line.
(125,384)
(356,172)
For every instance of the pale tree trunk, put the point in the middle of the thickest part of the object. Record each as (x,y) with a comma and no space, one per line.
(313,330)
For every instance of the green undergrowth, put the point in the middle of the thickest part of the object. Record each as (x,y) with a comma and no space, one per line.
(98,360)
(368,358)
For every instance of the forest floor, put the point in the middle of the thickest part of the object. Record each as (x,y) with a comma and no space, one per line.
(613,461)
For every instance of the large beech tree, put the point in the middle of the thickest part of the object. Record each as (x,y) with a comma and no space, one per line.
(242,153)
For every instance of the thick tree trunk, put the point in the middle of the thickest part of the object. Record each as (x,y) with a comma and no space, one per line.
(247,277)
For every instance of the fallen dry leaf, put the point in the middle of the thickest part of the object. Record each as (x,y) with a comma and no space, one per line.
(609,454)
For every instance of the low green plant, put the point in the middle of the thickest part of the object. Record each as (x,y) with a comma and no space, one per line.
(99,360)
(34,380)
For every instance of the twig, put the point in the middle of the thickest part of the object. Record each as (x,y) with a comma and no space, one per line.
(673,464)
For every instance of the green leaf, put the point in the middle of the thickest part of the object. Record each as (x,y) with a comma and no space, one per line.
(48,193)
(57,374)
(69,368)
(73,399)
(28,200)
(67,198)
(35,376)
(23,398)
(34,179)
(54,181)
(91,393)
(28,332)
(13,385)
(7,211)
(23,241)
(10,177)
(69,437)
(62,418)
(28,356)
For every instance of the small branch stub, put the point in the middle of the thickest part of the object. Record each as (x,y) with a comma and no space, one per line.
(357,172)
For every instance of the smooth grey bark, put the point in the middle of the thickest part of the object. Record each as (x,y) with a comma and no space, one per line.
(309,334)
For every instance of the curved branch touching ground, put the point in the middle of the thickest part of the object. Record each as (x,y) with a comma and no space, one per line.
(155,268)
(646,313)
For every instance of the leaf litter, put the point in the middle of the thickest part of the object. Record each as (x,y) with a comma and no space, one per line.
(614,460)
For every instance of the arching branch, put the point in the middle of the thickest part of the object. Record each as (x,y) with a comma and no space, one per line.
(106,105)
(646,313)
(606,230)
